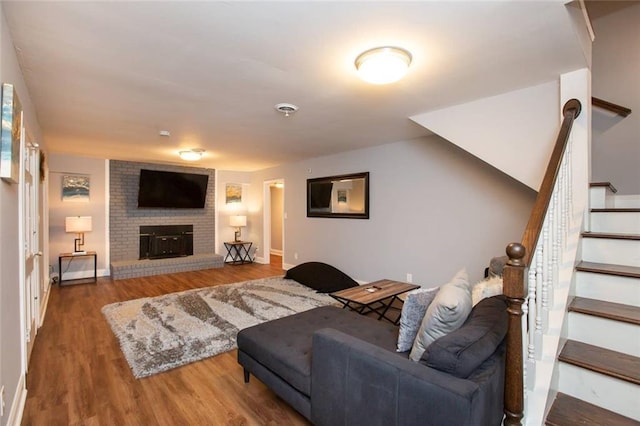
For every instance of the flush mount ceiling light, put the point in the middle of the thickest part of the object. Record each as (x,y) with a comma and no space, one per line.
(192,154)
(383,65)
(286,109)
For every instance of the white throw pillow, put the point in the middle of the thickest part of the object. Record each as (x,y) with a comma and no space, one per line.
(488,287)
(415,305)
(448,311)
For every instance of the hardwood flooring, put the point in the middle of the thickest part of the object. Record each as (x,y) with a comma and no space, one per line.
(79,376)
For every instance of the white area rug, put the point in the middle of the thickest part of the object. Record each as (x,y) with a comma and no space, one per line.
(164,332)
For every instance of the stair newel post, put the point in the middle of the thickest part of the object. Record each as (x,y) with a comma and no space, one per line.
(514,288)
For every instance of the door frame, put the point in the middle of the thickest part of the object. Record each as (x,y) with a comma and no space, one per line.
(266,224)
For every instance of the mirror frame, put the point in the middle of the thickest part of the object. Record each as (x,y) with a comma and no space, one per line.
(364,215)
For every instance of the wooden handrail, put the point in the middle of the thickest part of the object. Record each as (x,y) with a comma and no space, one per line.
(515,271)
(610,106)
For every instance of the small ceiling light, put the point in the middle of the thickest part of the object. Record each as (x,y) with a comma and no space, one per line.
(165,133)
(286,109)
(191,155)
(383,65)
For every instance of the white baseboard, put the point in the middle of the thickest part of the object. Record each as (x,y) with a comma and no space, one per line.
(19,400)
(261,260)
(287,266)
(44,304)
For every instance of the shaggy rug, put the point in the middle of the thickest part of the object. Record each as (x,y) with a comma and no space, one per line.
(164,332)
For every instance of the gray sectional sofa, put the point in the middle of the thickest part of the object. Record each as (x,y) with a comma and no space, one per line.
(336,367)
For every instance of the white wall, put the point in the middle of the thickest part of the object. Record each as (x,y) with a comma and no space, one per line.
(434,209)
(615,78)
(11,368)
(224,232)
(276,218)
(515,131)
(96,240)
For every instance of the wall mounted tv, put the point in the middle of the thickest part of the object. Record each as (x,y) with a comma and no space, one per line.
(172,190)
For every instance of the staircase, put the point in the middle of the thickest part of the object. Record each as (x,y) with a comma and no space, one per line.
(598,373)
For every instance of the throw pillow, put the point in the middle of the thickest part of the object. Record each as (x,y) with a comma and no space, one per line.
(459,353)
(321,277)
(415,305)
(488,287)
(447,312)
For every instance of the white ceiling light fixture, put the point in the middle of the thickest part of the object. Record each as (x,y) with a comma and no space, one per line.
(192,154)
(383,65)
(286,109)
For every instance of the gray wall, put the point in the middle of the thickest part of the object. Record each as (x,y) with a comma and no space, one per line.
(616,78)
(96,240)
(125,218)
(434,209)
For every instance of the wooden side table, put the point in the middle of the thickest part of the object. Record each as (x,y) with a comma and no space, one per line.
(72,256)
(239,252)
(375,297)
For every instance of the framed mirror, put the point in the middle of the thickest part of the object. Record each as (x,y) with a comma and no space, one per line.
(343,196)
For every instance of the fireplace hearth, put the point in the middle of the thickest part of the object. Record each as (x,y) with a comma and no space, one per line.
(163,241)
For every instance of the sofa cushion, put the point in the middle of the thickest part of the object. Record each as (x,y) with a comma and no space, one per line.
(415,306)
(460,352)
(321,277)
(284,345)
(446,313)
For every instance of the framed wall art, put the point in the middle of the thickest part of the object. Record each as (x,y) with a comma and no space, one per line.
(76,188)
(10,134)
(233,193)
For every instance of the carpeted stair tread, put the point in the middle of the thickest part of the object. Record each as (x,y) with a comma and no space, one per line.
(609,310)
(611,363)
(611,236)
(605,268)
(567,410)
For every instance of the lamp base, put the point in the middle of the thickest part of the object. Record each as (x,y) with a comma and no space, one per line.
(237,237)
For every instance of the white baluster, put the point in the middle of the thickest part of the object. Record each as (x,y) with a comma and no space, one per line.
(546,275)
(539,294)
(531,319)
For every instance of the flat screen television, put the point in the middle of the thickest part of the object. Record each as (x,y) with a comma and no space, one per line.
(172,190)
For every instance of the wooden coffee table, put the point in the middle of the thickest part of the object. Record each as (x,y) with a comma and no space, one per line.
(375,297)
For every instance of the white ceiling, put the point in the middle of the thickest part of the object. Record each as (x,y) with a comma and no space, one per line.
(106,77)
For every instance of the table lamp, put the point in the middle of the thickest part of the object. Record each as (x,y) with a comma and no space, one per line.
(238,221)
(79,225)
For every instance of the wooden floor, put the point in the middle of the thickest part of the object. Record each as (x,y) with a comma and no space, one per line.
(78,375)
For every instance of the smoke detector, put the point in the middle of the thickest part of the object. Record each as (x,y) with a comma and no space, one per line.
(286,109)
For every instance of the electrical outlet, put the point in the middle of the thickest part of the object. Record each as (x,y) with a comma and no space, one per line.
(409,277)
(295,256)
(257,248)
(2,401)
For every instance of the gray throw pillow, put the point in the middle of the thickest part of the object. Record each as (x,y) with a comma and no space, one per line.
(463,350)
(447,312)
(413,310)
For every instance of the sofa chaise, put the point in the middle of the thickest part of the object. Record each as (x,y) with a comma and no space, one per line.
(336,367)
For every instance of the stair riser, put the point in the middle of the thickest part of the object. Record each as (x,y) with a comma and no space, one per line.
(620,223)
(610,288)
(607,392)
(626,201)
(616,252)
(597,331)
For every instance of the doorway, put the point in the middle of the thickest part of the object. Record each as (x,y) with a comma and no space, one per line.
(274,222)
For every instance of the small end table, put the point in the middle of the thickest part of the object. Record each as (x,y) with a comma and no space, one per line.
(377,297)
(239,252)
(72,256)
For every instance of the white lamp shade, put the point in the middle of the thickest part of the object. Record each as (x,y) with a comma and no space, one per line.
(237,221)
(77,224)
